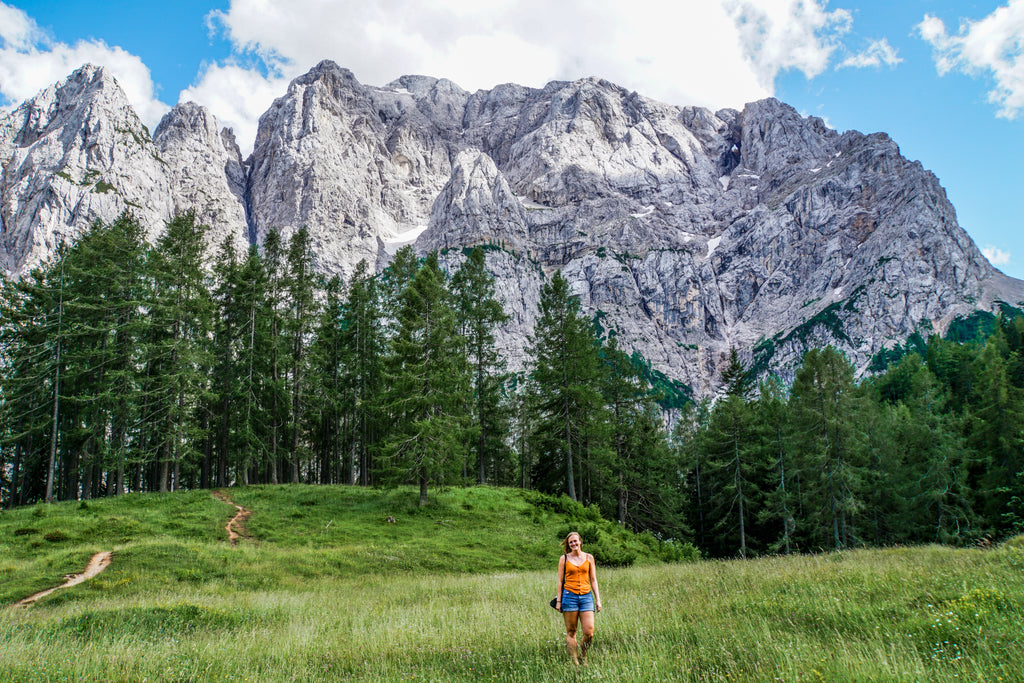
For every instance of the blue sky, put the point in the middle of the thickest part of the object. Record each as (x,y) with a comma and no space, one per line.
(944,79)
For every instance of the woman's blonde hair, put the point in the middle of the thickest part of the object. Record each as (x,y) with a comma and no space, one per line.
(565,541)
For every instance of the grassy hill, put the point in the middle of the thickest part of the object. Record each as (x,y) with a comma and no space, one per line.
(300,533)
(324,588)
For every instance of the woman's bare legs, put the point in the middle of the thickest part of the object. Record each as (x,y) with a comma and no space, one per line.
(570,633)
(587,624)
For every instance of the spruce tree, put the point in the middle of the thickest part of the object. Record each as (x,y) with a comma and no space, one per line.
(327,397)
(828,442)
(363,343)
(254,356)
(780,510)
(275,388)
(565,386)
(428,385)
(733,463)
(178,353)
(689,441)
(301,290)
(480,314)
(995,429)
(29,332)
(228,321)
(624,392)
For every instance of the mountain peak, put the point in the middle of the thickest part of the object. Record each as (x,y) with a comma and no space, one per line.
(686,232)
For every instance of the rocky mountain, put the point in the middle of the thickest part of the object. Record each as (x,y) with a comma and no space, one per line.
(687,232)
(74,153)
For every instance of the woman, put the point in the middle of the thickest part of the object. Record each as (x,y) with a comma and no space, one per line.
(577,595)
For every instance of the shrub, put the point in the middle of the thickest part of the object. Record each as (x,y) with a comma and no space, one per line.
(1015,542)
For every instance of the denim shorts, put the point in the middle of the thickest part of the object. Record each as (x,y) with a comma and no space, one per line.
(577,603)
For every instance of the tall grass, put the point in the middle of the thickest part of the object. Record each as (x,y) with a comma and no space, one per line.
(266,611)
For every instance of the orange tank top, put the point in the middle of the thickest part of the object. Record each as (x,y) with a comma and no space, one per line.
(577,579)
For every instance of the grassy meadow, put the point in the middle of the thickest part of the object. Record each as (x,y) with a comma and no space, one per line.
(324,589)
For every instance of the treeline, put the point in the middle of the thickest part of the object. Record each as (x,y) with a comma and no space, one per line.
(930,450)
(136,367)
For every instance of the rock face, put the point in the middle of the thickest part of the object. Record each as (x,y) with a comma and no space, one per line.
(74,153)
(206,172)
(77,152)
(687,231)
(355,165)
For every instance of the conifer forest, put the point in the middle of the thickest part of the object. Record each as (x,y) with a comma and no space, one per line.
(127,366)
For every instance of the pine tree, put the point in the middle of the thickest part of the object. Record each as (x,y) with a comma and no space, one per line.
(178,353)
(566,387)
(428,385)
(480,313)
(363,347)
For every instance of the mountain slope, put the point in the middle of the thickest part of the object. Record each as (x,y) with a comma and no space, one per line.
(688,232)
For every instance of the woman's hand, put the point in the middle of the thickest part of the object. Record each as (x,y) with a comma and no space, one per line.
(598,605)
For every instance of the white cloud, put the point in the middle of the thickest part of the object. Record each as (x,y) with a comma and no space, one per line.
(788,34)
(715,54)
(996,256)
(480,45)
(29,62)
(879,52)
(17,30)
(993,46)
(237,96)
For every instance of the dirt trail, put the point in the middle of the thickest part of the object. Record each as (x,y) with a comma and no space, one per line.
(236,527)
(98,563)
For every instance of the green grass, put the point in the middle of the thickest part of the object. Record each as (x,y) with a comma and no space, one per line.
(327,590)
(298,534)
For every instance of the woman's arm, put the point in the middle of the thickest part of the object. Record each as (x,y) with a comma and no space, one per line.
(558,584)
(593,584)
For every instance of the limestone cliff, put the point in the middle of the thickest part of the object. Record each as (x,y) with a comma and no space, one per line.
(686,231)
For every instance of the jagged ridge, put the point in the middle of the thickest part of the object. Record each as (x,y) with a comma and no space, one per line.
(689,231)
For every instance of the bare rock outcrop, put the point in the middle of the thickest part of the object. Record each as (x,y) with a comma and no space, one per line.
(688,232)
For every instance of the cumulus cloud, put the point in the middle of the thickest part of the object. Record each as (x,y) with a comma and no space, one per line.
(788,34)
(714,54)
(237,96)
(996,256)
(479,45)
(993,47)
(30,61)
(17,30)
(878,53)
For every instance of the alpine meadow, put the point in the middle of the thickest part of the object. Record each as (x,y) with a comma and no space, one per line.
(326,412)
